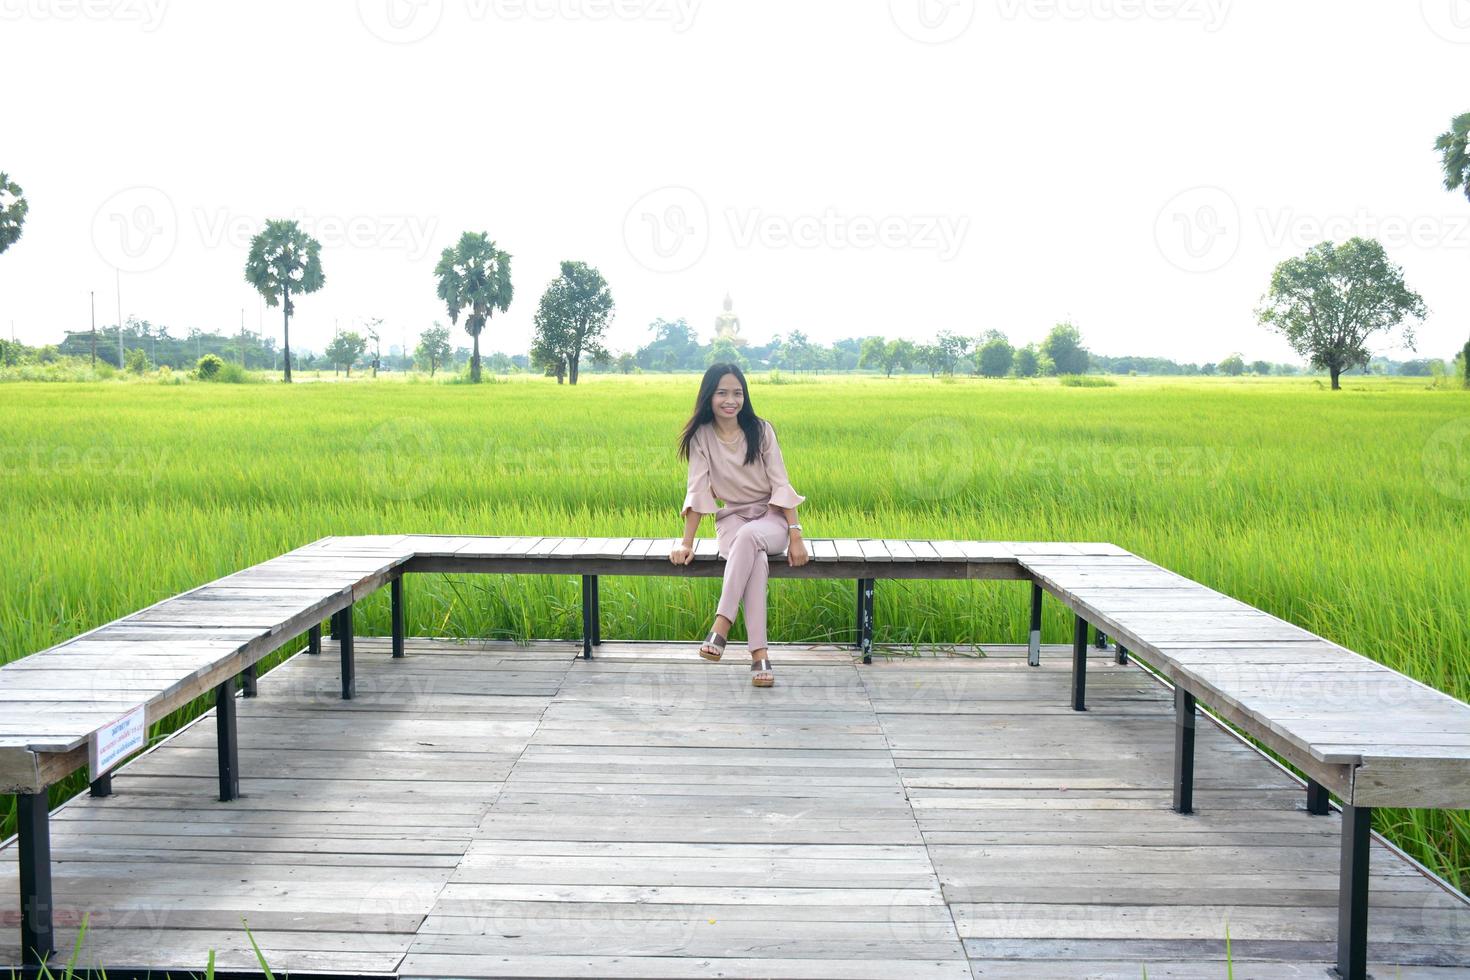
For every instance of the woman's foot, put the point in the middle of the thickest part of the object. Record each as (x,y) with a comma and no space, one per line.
(713,647)
(761,665)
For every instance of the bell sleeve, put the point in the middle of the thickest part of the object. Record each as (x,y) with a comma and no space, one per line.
(700,497)
(782,494)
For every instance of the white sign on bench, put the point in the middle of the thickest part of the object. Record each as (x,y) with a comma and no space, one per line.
(116,742)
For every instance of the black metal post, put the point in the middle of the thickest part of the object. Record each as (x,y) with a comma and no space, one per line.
(596,611)
(333,627)
(1184,717)
(1033,642)
(1100,639)
(1122,654)
(1318,804)
(396,591)
(249,681)
(1079,663)
(33,823)
(349,665)
(227,739)
(314,639)
(587,616)
(865,618)
(1352,899)
(101,786)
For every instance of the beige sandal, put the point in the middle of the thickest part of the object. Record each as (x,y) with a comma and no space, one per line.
(713,648)
(762,666)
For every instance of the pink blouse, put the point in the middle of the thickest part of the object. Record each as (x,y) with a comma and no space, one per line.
(719,471)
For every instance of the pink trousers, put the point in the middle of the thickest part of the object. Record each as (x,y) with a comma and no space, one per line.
(745,543)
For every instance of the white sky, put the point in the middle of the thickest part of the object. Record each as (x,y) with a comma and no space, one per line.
(1042,162)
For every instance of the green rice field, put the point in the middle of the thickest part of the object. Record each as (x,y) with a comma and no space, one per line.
(1347,512)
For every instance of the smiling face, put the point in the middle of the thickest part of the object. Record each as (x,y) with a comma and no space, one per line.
(728,399)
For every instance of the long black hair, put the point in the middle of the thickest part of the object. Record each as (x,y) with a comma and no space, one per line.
(750,423)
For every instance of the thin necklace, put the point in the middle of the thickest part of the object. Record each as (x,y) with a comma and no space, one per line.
(729,442)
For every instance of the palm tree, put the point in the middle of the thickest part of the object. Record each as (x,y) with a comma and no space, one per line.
(13,208)
(474,275)
(284,260)
(1455,156)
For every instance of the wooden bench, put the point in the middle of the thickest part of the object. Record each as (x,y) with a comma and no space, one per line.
(1354,727)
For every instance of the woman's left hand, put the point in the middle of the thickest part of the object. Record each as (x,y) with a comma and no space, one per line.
(796,553)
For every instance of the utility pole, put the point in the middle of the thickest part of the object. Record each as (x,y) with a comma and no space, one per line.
(93,293)
(242,336)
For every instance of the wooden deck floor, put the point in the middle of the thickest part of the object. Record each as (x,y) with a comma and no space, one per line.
(497,810)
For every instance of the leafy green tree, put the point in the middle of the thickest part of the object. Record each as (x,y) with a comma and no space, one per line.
(1465,363)
(284,260)
(626,363)
(572,316)
(209,367)
(724,350)
(13,208)
(887,357)
(433,348)
(995,356)
(1063,347)
(376,341)
(870,355)
(137,360)
(1234,365)
(1261,367)
(952,347)
(1329,301)
(1027,363)
(931,356)
(473,274)
(345,349)
(1454,156)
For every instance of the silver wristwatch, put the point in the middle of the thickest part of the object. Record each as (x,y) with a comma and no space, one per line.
(793,527)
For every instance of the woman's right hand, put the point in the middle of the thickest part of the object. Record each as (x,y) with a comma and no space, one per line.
(682,554)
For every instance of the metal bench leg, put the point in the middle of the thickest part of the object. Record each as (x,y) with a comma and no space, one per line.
(33,822)
(596,611)
(1033,642)
(1100,639)
(101,787)
(1184,717)
(396,591)
(227,739)
(1318,804)
(250,681)
(865,618)
(1352,900)
(349,664)
(1122,655)
(587,616)
(1079,663)
(314,639)
(333,627)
